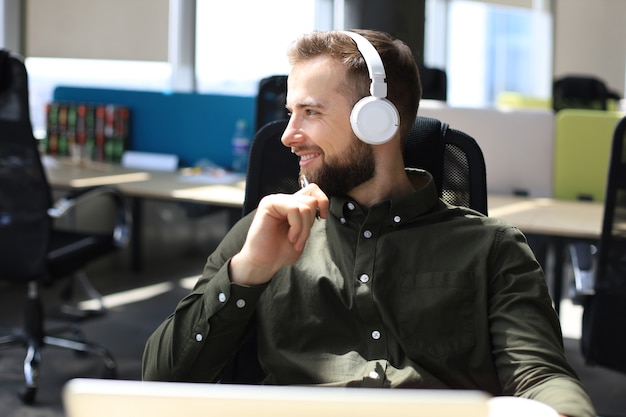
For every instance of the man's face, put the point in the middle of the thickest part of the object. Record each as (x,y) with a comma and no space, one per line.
(319,129)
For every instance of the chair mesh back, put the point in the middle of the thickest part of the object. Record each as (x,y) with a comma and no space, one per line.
(24,191)
(456,180)
(461,177)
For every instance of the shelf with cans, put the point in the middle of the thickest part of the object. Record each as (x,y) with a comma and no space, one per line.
(97,132)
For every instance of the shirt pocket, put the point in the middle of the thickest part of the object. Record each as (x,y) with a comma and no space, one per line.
(436,313)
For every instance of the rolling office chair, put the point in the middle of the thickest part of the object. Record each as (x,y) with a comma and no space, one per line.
(270,100)
(581,92)
(434,83)
(601,283)
(33,250)
(453,158)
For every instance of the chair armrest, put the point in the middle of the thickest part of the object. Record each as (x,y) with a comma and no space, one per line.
(582,256)
(123,218)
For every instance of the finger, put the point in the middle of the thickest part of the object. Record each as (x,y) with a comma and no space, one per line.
(321,199)
(300,219)
(323,203)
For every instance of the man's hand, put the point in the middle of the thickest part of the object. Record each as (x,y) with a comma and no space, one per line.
(278,234)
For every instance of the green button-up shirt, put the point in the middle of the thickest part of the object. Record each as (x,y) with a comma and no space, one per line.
(409,293)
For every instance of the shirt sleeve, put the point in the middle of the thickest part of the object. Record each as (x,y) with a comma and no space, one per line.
(199,338)
(526,334)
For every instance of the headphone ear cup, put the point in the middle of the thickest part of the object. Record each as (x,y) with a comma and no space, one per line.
(374,120)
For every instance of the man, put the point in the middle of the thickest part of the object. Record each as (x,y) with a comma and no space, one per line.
(380,285)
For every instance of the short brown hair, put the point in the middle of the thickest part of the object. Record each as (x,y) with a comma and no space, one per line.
(404,89)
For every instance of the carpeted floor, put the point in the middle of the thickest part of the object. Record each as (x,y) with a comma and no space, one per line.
(174,258)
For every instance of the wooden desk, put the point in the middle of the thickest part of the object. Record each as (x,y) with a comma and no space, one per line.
(560,221)
(549,217)
(543,216)
(62,173)
(139,185)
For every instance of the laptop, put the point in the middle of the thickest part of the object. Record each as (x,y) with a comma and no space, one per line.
(123,398)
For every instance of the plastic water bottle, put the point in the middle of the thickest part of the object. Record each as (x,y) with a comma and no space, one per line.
(240,146)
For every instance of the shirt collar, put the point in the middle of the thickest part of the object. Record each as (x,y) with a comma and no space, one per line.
(400,210)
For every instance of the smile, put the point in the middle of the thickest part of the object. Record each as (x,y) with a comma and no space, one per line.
(307,158)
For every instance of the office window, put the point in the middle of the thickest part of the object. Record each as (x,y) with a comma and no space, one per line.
(489,48)
(239,42)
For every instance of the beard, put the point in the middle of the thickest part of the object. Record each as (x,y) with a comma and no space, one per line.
(341,174)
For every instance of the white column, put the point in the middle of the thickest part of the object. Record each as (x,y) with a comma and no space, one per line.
(182,44)
(11,26)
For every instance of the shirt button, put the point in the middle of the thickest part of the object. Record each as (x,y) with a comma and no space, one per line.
(397,219)
(364,278)
(342,220)
(199,337)
(374,375)
(222,297)
(375,335)
(367,234)
(351,206)
(241,303)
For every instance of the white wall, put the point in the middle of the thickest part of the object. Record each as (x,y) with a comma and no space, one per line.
(10,26)
(590,38)
(508,140)
(103,29)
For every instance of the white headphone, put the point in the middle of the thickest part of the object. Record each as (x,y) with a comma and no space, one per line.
(374,119)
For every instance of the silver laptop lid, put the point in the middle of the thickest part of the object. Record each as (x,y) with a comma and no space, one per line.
(116,398)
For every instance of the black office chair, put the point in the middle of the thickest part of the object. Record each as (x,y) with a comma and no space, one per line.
(270,100)
(434,83)
(453,158)
(601,278)
(581,92)
(33,250)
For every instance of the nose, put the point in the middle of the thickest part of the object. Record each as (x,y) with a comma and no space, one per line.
(292,135)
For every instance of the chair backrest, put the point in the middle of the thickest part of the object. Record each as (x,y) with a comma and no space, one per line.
(270,100)
(452,157)
(434,83)
(24,191)
(604,320)
(612,256)
(579,92)
(272,168)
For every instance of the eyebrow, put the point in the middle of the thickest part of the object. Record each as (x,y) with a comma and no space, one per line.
(307,103)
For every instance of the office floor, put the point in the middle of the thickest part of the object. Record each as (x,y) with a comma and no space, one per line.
(174,255)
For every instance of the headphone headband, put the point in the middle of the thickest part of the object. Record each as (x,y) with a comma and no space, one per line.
(374,119)
(378,87)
